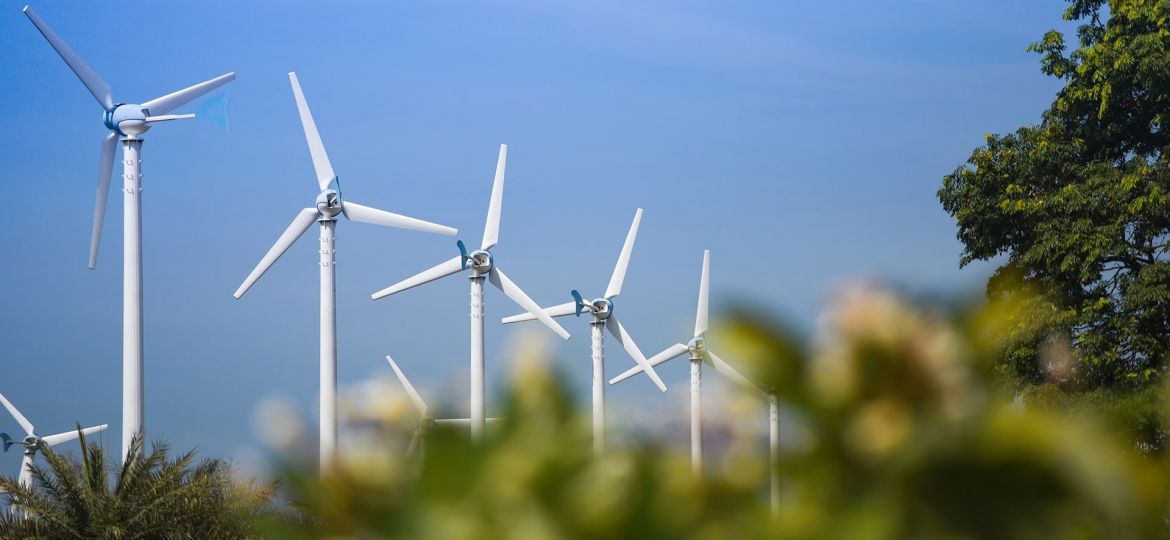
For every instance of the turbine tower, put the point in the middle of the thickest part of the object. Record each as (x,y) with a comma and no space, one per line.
(482,265)
(33,443)
(602,311)
(125,121)
(328,205)
(425,421)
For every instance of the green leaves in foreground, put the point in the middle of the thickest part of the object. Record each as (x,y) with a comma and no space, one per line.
(154,495)
(892,430)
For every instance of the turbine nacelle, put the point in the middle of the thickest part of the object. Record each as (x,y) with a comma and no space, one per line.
(698,347)
(479,261)
(329,203)
(127,119)
(601,308)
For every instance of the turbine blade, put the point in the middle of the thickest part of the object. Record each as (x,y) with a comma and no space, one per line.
(26,470)
(440,270)
(174,100)
(105,169)
(704,289)
(299,225)
(559,310)
(619,332)
(491,229)
(419,404)
(316,147)
(730,372)
(511,290)
(623,262)
(413,446)
(671,352)
(59,438)
(454,421)
(88,76)
(365,214)
(20,419)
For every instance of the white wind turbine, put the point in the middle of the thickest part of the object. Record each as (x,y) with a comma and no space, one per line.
(603,317)
(699,353)
(128,122)
(482,265)
(328,205)
(33,443)
(425,420)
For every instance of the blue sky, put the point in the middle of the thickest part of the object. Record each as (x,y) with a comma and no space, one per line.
(801,144)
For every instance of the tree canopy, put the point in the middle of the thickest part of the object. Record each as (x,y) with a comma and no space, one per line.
(1077,205)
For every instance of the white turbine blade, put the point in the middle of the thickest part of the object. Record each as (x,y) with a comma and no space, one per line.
(730,372)
(59,438)
(26,470)
(671,352)
(88,76)
(299,225)
(20,419)
(511,290)
(568,308)
(454,421)
(414,440)
(365,214)
(623,262)
(316,147)
(419,404)
(440,270)
(619,332)
(174,100)
(105,169)
(491,229)
(704,289)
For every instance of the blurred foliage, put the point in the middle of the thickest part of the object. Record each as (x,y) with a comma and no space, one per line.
(895,426)
(152,496)
(1079,204)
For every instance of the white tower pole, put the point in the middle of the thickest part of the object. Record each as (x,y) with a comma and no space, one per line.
(774,452)
(697,415)
(328,412)
(598,349)
(477,354)
(132,421)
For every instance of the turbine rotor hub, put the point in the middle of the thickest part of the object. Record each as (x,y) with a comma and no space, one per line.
(602,308)
(329,203)
(32,443)
(480,261)
(698,347)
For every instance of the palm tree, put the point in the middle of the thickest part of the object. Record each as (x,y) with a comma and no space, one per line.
(151,495)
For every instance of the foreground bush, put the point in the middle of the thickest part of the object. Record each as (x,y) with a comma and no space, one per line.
(893,431)
(152,496)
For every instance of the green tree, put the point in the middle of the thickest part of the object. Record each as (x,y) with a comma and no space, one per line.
(1078,205)
(151,496)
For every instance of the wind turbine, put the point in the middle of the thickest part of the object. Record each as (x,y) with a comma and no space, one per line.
(603,317)
(128,122)
(426,421)
(699,354)
(328,205)
(482,265)
(33,443)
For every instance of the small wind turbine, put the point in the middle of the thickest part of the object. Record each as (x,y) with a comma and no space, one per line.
(482,265)
(126,121)
(425,420)
(603,317)
(697,347)
(33,443)
(328,205)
